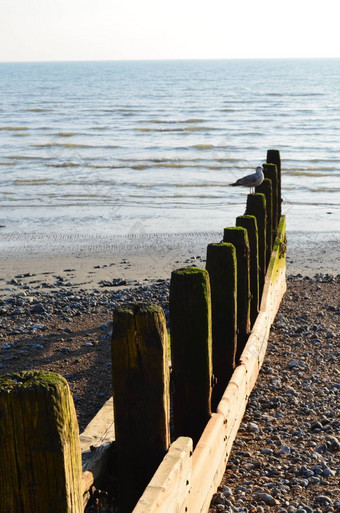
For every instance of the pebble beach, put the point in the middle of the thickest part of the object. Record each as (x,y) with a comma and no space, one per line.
(56,315)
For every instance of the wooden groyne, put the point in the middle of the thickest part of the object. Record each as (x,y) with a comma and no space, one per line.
(174,429)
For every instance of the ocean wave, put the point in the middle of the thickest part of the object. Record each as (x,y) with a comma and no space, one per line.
(66,134)
(63,164)
(320,172)
(174,121)
(203,146)
(191,128)
(74,145)
(13,128)
(37,109)
(26,157)
(30,181)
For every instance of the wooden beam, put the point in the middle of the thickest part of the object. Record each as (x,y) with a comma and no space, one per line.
(39,445)
(141,396)
(273,157)
(222,268)
(256,206)
(238,237)
(250,224)
(270,172)
(170,485)
(190,330)
(266,189)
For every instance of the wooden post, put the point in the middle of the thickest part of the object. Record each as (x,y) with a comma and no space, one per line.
(40,455)
(273,157)
(141,396)
(222,268)
(239,238)
(250,224)
(270,171)
(266,189)
(190,330)
(256,206)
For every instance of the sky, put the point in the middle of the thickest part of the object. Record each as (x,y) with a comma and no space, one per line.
(52,30)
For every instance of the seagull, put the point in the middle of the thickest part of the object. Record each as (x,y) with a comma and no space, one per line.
(251,181)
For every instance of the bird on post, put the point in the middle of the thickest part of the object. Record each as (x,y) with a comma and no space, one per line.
(251,181)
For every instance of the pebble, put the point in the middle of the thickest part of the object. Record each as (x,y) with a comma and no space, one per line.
(38,308)
(253,428)
(266,498)
(290,428)
(290,423)
(324,501)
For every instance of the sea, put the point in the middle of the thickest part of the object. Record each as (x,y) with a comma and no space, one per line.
(142,147)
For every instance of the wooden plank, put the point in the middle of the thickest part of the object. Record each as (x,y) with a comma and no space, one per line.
(95,443)
(101,428)
(169,488)
(275,281)
(250,356)
(208,457)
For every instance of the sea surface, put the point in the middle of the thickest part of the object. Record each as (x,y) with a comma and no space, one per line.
(116,148)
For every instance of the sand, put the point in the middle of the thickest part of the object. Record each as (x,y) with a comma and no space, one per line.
(86,261)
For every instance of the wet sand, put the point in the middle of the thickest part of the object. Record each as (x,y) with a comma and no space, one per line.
(88,262)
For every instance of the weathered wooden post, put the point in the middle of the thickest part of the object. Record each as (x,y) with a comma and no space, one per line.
(266,189)
(190,330)
(270,172)
(256,206)
(239,238)
(273,157)
(222,268)
(40,455)
(250,224)
(140,372)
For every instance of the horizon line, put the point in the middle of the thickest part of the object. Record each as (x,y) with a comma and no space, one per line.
(168,59)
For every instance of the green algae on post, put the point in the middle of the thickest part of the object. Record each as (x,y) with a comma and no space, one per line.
(39,445)
(256,206)
(273,157)
(238,237)
(250,224)
(266,189)
(222,268)
(190,327)
(140,373)
(270,171)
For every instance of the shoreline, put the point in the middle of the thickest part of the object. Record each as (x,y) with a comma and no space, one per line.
(81,262)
